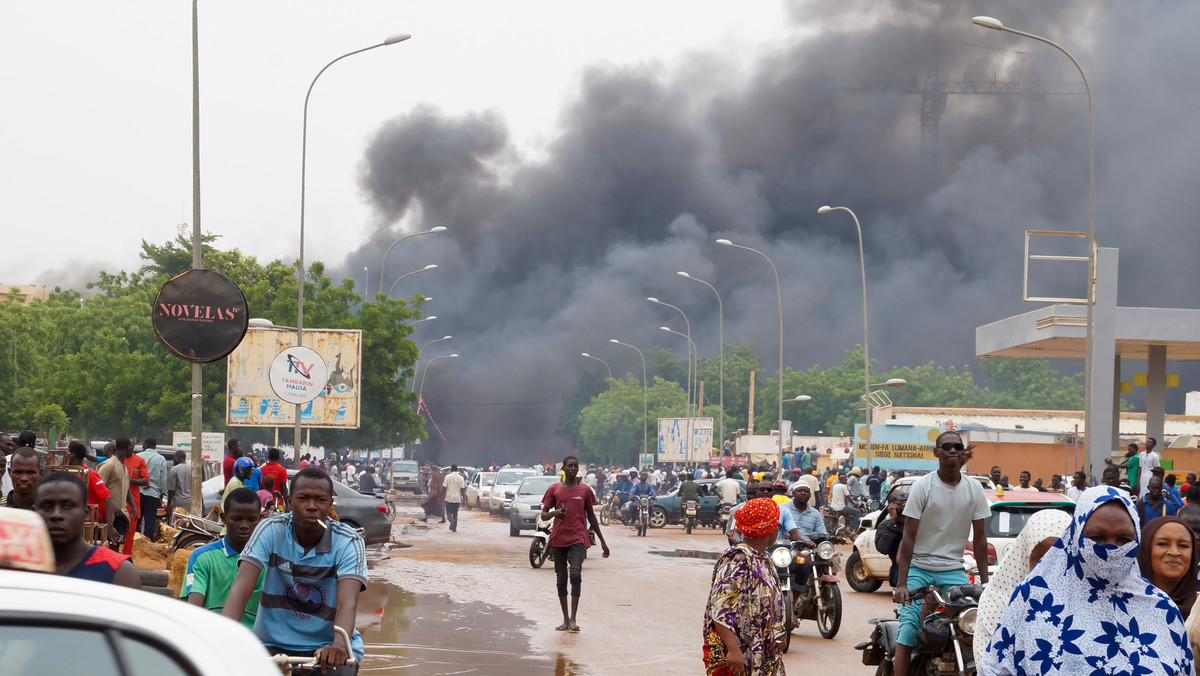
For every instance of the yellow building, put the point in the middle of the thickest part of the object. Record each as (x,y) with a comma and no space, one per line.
(25,294)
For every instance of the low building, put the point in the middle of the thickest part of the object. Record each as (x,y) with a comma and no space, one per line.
(25,294)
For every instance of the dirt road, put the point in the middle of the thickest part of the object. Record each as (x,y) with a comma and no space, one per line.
(641,608)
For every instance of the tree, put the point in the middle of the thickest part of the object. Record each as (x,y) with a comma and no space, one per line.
(611,425)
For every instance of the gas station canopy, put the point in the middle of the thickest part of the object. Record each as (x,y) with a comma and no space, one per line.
(1058,331)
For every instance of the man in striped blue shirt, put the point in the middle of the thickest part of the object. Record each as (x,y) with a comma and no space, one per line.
(314,571)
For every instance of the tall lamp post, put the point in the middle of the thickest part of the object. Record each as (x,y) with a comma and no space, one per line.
(690,389)
(428,268)
(645,434)
(862,261)
(779,298)
(585,354)
(435,340)
(383,261)
(994,24)
(401,37)
(721,338)
(691,439)
(424,373)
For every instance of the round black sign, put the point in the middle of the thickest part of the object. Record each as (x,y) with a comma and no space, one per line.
(200,315)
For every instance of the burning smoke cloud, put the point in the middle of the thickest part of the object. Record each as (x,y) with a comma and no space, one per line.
(546,259)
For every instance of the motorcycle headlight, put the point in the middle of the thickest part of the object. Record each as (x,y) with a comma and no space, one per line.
(645,502)
(781,557)
(825,550)
(966,621)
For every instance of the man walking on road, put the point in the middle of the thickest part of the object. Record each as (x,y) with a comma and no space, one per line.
(454,483)
(569,536)
(940,505)
(152,494)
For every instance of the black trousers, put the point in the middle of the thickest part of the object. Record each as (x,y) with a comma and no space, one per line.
(149,507)
(452,515)
(569,558)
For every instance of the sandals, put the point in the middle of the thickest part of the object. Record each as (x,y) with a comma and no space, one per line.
(563,627)
(574,629)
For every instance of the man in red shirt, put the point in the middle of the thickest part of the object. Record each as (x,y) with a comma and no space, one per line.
(98,493)
(569,536)
(272,468)
(139,475)
(233,451)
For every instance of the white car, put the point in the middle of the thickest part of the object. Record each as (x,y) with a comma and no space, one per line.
(479,489)
(505,487)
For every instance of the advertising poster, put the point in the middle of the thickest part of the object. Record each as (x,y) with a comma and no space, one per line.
(673,437)
(251,401)
(897,446)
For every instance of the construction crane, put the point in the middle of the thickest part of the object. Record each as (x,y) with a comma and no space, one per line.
(933,91)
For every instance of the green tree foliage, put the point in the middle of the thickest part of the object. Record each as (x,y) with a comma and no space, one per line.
(96,367)
(611,425)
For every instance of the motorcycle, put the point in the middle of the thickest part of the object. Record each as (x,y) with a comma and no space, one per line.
(690,508)
(194,531)
(611,511)
(723,513)
(641,520)
(946,639)
(817,598)
(539,549)
(836,526)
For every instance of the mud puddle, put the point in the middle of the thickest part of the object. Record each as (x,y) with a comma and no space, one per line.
(686,554)
(427,634)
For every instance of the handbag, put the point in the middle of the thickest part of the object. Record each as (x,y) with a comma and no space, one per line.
(888,537)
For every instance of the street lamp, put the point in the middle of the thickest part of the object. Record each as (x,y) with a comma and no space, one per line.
(779,298)
(994,24)
(435,340)
(426,319)
(645,434)
(383,262)
(424,373)
(803,397)
(427,268)
(691,346)
(585,354)
(401,37)
(721,338)
(419,352)
(862,261)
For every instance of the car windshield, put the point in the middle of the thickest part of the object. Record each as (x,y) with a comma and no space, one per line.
(537,485)
(1007,521)
(405,466)
(512,476)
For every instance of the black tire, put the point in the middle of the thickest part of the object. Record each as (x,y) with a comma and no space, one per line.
(606,515)
(391,512)
(830,621)
(193,540)
(789,620)
(884,668)
(856,575)
(537,552)
(658,516)
(153,578)
(687,526)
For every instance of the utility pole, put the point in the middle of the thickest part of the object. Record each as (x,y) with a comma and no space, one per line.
(197,506)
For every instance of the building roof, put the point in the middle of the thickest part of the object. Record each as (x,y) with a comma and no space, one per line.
(1052,422)
(1059,331)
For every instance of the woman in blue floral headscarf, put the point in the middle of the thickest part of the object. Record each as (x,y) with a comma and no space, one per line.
(1085,609)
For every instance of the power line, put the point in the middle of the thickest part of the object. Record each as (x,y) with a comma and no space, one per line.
(429,402)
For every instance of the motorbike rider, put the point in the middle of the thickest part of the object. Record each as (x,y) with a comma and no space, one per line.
(689,490)
(622,487)
(854,485)
(728,488)
(808,523)
(642,488)
(839,501)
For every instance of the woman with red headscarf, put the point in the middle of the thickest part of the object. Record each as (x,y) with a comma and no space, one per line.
(743,623)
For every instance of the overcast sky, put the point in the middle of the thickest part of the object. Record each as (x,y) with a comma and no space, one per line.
(96,128)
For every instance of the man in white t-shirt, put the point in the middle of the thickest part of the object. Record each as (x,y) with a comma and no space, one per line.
(728,488)
(1024,484)
(452,487)
(1146,464)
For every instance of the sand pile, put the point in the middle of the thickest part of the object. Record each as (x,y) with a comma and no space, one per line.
(147,554)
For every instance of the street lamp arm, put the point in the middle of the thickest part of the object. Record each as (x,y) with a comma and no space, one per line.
(721,340)
(383,263)
(409,274)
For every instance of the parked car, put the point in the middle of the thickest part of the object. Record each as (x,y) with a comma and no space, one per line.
(505,488)
(527,503)
(479,489)
(406,476)
(668,510)
(353,508)
(51,624)
(867,568)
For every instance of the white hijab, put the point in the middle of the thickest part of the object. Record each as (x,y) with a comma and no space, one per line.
(1047,523)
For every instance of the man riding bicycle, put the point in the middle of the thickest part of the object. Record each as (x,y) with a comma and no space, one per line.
(314,571)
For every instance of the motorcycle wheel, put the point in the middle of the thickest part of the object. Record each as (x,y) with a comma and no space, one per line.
(884,669)
(606,515)
(658,517)
(856,575)
(391,512)
(789,620)
(193,540)
(829,621)
(687,527)
(537,553)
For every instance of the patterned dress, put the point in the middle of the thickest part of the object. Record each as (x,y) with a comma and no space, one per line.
(746,599)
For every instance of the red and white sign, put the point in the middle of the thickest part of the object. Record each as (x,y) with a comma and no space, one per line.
(298,375)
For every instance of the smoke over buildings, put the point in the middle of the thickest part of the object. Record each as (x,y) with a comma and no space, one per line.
(549,257)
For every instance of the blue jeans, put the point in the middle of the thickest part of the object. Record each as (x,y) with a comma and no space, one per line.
(910,615)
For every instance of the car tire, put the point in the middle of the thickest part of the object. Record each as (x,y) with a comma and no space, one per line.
(856,575)
(658,517)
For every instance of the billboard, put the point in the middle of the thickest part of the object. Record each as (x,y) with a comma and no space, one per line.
(673,434)
(897,446)
(212,443)
(250,400)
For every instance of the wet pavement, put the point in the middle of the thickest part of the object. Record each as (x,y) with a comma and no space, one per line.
(409,633)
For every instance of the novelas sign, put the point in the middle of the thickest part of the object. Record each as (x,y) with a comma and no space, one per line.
(200,315)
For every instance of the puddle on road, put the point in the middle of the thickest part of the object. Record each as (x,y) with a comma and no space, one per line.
(407,633)
(686,554)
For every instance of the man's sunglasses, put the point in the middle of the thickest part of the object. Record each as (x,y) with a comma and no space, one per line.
(953,447)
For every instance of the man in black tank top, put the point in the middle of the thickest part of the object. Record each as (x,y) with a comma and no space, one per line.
(61,500)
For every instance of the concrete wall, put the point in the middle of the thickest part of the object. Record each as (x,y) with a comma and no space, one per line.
(1042,460)
(1185,459)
